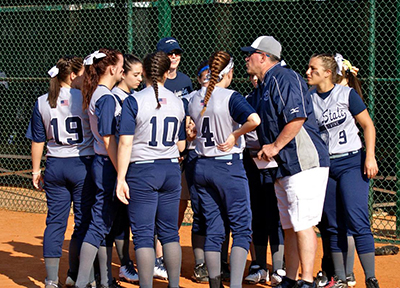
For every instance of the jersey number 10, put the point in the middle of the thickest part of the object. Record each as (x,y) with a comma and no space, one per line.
(166,124)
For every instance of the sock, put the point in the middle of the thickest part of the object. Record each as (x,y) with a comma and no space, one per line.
(213,262)
(198,248)
(122,247)
(350,255)
(52,265)
(172,258)
(237,263)
(145,259)
(105,256)
(261,256)
(87,256)
(277,256)
(339,260)
(368,263)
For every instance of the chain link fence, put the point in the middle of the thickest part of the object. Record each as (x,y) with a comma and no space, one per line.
(35,34)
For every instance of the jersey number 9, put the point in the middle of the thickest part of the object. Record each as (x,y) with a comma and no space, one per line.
(73,125)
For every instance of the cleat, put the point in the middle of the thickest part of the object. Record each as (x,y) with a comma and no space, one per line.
(159,269)
(277,276)
(372,283)
(321,279)
(200,273)
(336,283)
(128,273)
(257,275)
(225,272)
(351,280)
(51,284)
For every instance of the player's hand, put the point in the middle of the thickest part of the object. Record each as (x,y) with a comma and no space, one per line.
(191,130)
(370,167)
(38,182)
(268,152)
(123,192)
(228,145)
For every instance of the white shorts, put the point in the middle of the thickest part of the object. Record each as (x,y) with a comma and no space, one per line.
(301,198)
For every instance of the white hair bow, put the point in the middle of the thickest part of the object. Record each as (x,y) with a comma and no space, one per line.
(53,72)
(226,69)
(95,55)
(339,62)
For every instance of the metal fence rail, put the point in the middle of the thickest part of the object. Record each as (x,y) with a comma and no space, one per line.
(35,34)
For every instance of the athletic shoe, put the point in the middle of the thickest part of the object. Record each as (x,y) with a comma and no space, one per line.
(321,280)
(257,275)
(51,284)
(351,280)
(302,284)
(372,283)
(277,276)
(71,279)
(336,283)
(225,272)
(128,273)
(159,270)
(114,284)
(200,273)
(288,283)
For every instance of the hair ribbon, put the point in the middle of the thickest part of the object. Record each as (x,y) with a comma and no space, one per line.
(53,72)
(339,61)
(95,55)
(226,69)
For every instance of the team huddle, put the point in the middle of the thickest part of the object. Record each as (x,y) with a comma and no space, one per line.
(265,168)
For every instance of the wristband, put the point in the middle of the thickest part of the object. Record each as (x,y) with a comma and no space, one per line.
(37,173)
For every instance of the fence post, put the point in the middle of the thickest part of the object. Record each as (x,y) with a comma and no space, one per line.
(164,18)
(130,26)
(371,81)
(398,124)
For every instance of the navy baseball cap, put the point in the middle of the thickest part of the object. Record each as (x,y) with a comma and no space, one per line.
(168,44)
(266,44)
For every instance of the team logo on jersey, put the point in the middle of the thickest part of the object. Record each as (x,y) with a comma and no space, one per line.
(333,118)
(64,103)
(294,110)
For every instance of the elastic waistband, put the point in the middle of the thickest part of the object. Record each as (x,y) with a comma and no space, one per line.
(236,156)
(335,156)
(173,160)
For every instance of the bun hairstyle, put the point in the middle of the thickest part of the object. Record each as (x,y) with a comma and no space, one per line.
(329,63)
(155,65)
(217,62)
(65,66)
(94,69)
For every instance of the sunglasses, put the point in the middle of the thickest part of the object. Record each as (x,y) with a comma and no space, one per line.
(176,52)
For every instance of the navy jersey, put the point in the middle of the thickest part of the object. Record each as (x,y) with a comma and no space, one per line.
(334,113)
(66,127)
(226,111)
(181,85)
(156,131)
(104,111)
(280,98)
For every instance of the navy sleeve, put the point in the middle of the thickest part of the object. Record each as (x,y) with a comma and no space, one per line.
(36,130)
(128,116)
(356,104)
(239,108)
(182,130)
(105,110)
(185,105)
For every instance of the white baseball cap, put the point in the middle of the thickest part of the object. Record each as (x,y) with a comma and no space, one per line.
(266,44)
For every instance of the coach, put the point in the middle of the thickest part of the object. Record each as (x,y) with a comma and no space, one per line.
(289,135)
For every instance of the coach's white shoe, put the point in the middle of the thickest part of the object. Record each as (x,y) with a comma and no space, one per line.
(51,284)
(159,269)
(257,275)
(277,277)
(128,273)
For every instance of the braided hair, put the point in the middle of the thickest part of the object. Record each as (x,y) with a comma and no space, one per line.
(155,65)
(66,66)
(217,62)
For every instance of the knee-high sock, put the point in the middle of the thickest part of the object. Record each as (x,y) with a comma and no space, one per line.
(213,262)
(237,263)
(368,263)
(87,256)
(122,247)
(350,255)
(105,256)
(339,261)
(145,259)
(277,256)
(172,258)
(52,266)
(198,248)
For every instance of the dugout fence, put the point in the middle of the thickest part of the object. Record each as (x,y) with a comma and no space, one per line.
(36,33)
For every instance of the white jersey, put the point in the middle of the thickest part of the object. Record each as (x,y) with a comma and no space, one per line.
(120,93)
(191,144)
(157,130)
(67,125)
(337,124)
(216,124)
(100,91)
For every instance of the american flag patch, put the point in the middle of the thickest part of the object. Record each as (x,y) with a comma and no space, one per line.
(64,103)
(202,102)
(162,101)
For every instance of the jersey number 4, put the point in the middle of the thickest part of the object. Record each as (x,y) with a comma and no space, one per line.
(73,125)
(206,133)
(168,121)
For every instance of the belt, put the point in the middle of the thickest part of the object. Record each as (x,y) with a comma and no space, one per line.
(335,156)
(173,160)
(236,156)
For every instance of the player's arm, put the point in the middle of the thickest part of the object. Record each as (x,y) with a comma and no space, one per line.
(124,155)
(365,121)
(37,152)
(111,146)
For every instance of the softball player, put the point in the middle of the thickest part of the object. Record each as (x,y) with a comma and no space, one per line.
(151,136)
(103,69)
(58,118)
(337,108)
(120,231)
(222,117)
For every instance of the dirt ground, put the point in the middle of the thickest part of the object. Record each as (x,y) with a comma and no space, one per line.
(21,261)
